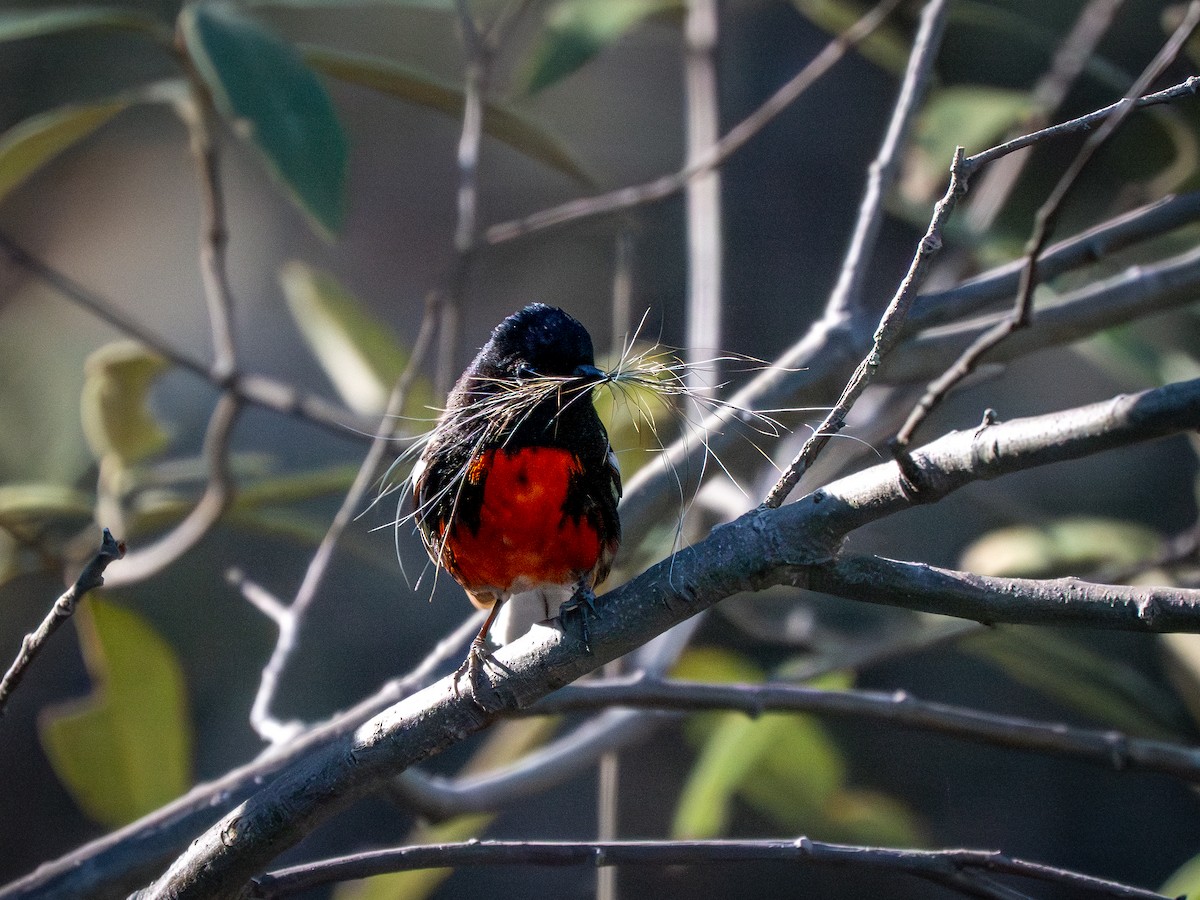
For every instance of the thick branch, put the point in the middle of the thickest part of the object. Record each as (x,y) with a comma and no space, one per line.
(762,548)
(988,599)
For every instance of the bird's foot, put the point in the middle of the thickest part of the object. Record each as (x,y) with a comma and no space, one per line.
(583,601)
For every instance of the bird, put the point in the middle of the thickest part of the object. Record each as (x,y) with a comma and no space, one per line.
(515,492)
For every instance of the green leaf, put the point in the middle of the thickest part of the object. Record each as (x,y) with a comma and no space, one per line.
(126,749)
(973,116)
(1069,545)
(30,144)
(116,416)
(359,353)
(446,6)
(887,47)
(413,86)
(1185,881)
(35,22)
(716,666)
(1100,687)
(26,509)
(576,30)
(260,83)
(869,817)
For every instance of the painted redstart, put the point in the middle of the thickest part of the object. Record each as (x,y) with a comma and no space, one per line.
(516,490)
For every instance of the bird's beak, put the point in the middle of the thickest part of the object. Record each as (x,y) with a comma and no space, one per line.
(589,373)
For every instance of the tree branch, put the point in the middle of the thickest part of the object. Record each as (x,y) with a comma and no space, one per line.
(289,619)
(844,302)
(1108,748)
(989,599)
(846,297)
(91,577)
(762,548)
(957,869)
(730,143)
(1045,221)
(218,494)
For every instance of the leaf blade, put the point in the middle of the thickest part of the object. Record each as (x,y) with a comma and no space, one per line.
(126,749)
(413,86)
(260,83)
(32,143)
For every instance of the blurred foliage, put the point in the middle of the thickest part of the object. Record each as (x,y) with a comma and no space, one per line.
(28,146)
(413,86)
(1063,547)
(784,766)
(127,748)
(261,84)
(504,744)
(576,30)
(361,355)
(117,420)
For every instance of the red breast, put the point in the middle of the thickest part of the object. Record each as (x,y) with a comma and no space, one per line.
(524,537)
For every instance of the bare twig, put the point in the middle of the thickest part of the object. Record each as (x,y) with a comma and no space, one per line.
(734,140)
(980,293)
(290,619)
(91,577)
(956,869)
(199,117)
(1046,219)
(846,298)
(218,494)
(842,303)
(450,297)
(1111,749)
(1137,292)
(1185,88)
(1070,59)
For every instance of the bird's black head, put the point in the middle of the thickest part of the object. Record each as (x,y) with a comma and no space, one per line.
(539,340)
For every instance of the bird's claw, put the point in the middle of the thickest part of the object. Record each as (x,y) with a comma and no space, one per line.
(477,657)
(582,601)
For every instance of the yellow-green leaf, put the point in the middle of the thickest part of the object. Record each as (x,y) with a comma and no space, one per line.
(973,116)
(576,30)
(27,508)
(715,665)
(38,22)
(116,416)
(505,743)
(1185,881)
(1101,687)
(886,47)
(408,84)
(260,83)
(869,817)
(359,353)
(30,144)
(1064,547)
(127,748)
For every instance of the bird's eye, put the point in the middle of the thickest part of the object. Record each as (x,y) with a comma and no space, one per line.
(525,371)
